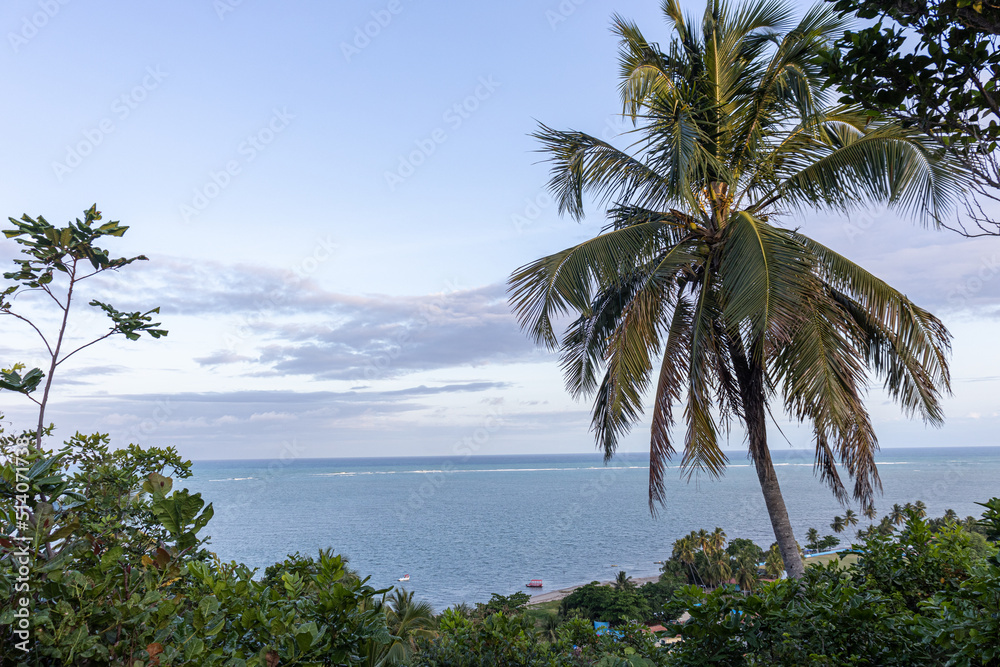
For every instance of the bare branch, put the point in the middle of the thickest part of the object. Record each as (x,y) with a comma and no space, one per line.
(32,325)
(96,340)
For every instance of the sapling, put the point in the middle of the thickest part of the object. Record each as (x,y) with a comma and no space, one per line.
(55,260)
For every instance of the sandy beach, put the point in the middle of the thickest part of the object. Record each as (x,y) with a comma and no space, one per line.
(563,592)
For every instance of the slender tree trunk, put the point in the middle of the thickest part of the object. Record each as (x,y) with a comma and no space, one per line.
(779,514)
(55,358)
(750,377)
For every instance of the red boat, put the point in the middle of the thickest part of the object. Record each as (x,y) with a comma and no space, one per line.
(535,583)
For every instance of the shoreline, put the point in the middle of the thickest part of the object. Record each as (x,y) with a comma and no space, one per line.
(560,593)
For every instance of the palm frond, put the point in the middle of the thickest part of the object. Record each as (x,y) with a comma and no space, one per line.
(669,388)
(763,273)
(585,164)
(550,286)
(885,165)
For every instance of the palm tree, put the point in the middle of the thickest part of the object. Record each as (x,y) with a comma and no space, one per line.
(409,620)
(838,524)
(920,508)
(719,568)
(870,512)
(717,539)
(897,515)
(812,536)
(684,551)
(774,563)
(850,518)
(702,539)
(623,581)
(746,573)
(732,132)
(950,515)
(550,623)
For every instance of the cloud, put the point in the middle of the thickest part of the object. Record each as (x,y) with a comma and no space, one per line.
(364,338)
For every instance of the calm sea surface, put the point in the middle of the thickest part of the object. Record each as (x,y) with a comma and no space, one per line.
(463,528)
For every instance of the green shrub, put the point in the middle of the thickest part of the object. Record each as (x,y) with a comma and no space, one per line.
(916,597)
(117,574)
(596,602)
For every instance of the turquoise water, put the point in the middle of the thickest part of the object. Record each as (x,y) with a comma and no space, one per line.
(463,528)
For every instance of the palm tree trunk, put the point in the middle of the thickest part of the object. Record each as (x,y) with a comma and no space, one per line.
(750,377)
(778,513)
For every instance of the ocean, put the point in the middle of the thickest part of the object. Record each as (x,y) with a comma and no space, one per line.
(466,527)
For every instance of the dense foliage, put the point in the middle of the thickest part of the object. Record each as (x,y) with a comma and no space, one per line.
(705,559)
(918,597)
(943,79)
(504,641)
(935,65)
(116,573)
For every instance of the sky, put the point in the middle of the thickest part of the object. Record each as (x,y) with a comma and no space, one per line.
(331,196)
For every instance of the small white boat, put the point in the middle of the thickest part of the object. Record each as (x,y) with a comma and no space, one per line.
(405,577)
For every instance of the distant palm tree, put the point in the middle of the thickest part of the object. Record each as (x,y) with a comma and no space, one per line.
(812,537)
(774,565)
(870,512)
(920,508)
(717,539)
(746,573)
(696,286)
(407,620)
(684,551)
(950,515)
(897,514)
(703,540)
(623,582)
(719,568)
(550,623)
(838,524)
(850,518)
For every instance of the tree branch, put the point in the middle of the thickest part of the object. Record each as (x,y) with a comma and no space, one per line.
(96,340)
(32,325)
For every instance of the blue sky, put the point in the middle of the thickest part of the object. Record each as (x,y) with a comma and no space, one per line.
(332,196)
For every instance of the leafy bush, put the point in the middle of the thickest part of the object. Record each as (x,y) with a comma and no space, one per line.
(604,603)
(117,574)
(919,597)
(505,641)
(509,605)
(658,596)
